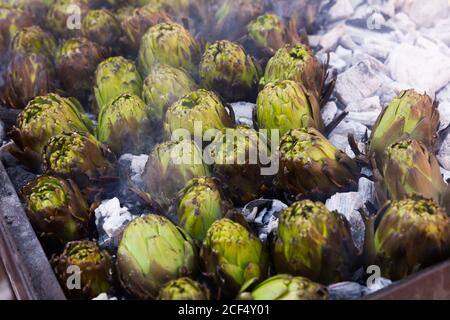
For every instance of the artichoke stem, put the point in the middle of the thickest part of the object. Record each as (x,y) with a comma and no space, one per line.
(368,252)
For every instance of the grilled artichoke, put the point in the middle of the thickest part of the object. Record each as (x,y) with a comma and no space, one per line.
(94,269)
(57,209)
(286,105)
(227,69)
(64,17)
(315,243)
(76,62)
(199,204)
(100,26)
(409,115)
(152,252)
(412,234)
(34,40)
(233,257)
(116,76)
(124,125)
(170,166)
(183,289)
(11,21)
(286,287)
(163,86)
(311,166)
(199,107)
(169,43)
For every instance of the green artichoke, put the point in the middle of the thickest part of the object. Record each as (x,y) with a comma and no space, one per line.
(152,252)
(100,26)
(233,257)
(315,243)
(298,63)
(238,156)
(199,107)
(169,43)
(412,234)
(45,117)
(62,17)
(28,76)
(57,209)
(183,289)
(94,268)
(409,114)
(311,166)
(286,105)
(163,86)
(286,287)
(199,204)
(408,169)
(79,156)
(227,69)
(124,125)
(34,40)
(35,9)
(170,166)
(11,21)
(76,62)
(116,76)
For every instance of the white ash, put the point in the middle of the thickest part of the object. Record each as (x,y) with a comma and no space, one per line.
(133,166)
(445,174)
(104,296)
(444,153)
(110,216)
(329,112)
(443,97)
(339,136)
(365,112)
(243,111)
(346,291)
(379,284)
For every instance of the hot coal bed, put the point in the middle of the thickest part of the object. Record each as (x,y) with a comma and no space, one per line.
(358,92)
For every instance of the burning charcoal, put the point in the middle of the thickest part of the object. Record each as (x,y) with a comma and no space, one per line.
(20,176)
(243,111)
(380,283)
(346,291)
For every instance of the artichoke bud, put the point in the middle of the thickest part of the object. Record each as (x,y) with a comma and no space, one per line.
(315,243)
(124,125)
(233,257)
(170,166)
(413,234)
(100,26)
(286,287)
(12,20)
(227,69)
(116,76)
(94,267)
(65,17)
(183,289)
(152,252)
(199,107)
(169,43)
(286,105)
(409,114)
(57,209)
(199,204)
(311,166)
(164,86)
(34,40)
(408,169)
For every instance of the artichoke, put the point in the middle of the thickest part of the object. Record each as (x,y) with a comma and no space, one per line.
(412,234)
(35,9)
(170,166)
(315,243)
(238,156)
(199,107)
(34,40)
(100,26)
(183,289)
(286,105)
(116,76)
(76,62)
(135,24)
(168,43)
(57,209)
(233,257)
(199,204)
(79,156)
(409,114)
(45,117)
(311,166)
(11,21)
(298,63)
(124,125)
(408,169)
(163,86)
(227,69)
(152,252)
(62,17)
(286,287)
(94,269)
(28,76)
